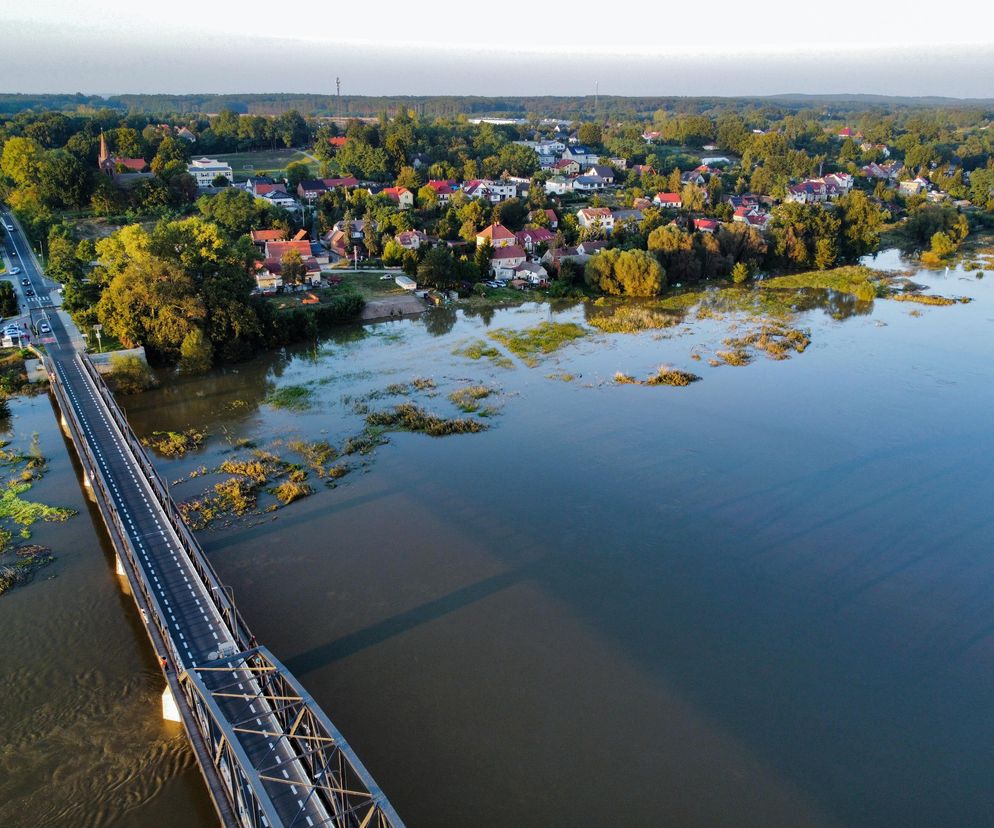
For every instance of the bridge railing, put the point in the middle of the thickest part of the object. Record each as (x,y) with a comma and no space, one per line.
(331,770)
(94,476)
(332,773)
(219,595)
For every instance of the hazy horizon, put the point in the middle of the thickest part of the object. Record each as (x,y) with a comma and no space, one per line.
(106,49)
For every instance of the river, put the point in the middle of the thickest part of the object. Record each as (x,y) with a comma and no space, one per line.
(764,599)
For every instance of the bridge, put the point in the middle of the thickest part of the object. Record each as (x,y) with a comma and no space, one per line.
(268,753)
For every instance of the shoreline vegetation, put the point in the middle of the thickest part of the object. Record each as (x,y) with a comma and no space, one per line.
(18,515)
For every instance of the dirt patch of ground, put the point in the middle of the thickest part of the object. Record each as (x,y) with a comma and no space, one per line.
(406,304)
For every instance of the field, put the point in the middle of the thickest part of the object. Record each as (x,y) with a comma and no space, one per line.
(368,284)
(265,162)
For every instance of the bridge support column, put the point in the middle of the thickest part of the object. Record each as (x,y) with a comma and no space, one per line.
(65,424)
(170,712)
(118,565)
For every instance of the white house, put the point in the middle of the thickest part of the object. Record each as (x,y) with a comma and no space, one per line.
(205,170)
(280,199)
(506,259)
(601,171)
(489,190)
(588,184)
(558,185)
(670,201)
(581,154)
(596,217)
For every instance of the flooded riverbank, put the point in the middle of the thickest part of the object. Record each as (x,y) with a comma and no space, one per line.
(762,598)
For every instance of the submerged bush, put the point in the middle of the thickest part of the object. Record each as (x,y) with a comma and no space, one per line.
(409,417)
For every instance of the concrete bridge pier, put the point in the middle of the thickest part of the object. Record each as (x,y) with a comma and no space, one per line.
(170,712)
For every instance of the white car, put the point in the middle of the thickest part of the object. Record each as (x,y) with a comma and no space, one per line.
(14,271)
(44,328)
(10,227)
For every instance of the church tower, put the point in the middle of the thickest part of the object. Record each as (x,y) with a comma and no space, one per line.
(104,161)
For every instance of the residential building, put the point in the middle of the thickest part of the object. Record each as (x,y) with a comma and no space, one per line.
(601,171)
(706,225)
(311,189)
(340,183)
(670,201)
(401,195)
(498,236)
(552,218)
(558,185)
(279,198)
(531,238)
(566,166)
(713,160)
(588,184)
(596,218)
(261,237)
(186,135)
(490,190)
(444,189)
(205,170)
(411,239)
(584,156)
(507,258)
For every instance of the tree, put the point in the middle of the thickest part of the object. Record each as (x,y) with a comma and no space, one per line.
(590,134)
(169,150)
(236,211)
(484,253)
(292,268)
(438,269)
(427,198)
(296,171)
(408,177)
(196,353)
(511,213)
(740,273)
(625,272)
(220,180)
(861,222)
(804,235)
(675,249)
(22,161)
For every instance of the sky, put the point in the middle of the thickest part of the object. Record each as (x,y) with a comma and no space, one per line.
(514,47)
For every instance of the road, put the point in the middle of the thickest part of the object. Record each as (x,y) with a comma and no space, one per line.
(194,623)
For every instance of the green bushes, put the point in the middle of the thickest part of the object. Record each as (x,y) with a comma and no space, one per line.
(130,374)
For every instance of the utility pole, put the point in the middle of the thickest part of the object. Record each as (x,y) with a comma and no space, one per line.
(338,93)
(597,91)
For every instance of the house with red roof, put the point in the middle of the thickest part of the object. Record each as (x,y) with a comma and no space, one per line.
(566,166)
(531,238)
(403,197)
(498,236)
(261,237)
(411,239)
(553,219)
(507,258)
(269,273)
(444,188)
(337,142)
(670,201)
(705,225)
(335,183)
